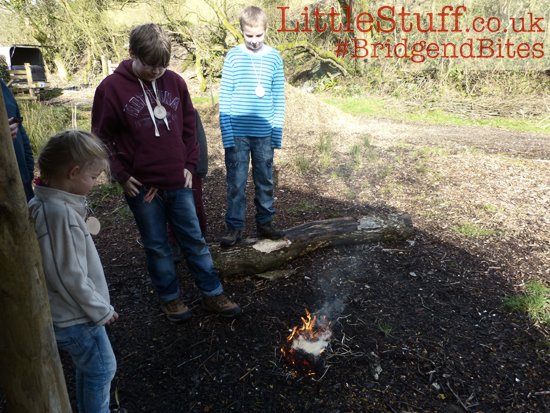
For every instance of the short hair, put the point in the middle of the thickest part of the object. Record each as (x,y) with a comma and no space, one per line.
(253,16)
(151,44)
(73,147)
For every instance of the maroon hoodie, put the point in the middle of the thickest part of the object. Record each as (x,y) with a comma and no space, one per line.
(122,121)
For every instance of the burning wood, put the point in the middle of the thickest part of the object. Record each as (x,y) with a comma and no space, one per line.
(305,345)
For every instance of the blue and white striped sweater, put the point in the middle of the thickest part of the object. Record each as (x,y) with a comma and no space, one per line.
(242,113)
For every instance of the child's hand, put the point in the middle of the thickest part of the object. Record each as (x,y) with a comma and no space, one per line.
(131,187)
(13,128)
(188,179)
(113,319)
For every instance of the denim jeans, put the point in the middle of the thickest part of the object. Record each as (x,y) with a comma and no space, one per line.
(92,354)
(237,159)
(178,208)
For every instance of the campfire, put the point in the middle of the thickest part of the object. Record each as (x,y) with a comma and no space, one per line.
(305,345)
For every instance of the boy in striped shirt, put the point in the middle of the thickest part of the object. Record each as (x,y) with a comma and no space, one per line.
(252,109)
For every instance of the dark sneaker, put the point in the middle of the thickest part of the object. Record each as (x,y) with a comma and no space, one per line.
(222,305)
(269,230)
(231,237)
(176,252)
(175,310)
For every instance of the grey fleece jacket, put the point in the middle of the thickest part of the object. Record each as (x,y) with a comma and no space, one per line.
(76,284)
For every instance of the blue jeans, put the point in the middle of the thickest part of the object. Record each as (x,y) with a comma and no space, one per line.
(92,354)
(178,208)
(237,159)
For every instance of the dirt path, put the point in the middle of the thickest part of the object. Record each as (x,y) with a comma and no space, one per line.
(489,139)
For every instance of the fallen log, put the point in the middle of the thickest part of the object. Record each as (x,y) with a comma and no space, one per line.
(253,256)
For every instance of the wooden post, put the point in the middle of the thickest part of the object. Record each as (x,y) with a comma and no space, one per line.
(30,368)
(29,80)
(104,66)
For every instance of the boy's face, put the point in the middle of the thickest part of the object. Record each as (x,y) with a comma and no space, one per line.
(145,71)
(253,37)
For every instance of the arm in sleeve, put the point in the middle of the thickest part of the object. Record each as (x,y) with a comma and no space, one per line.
(69,271)
(105,124)
(226,93)
(29,159)
(278,88)
(202,166)
(189,133)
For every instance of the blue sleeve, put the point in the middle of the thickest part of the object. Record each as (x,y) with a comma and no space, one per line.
(278,90)
(226,93)
(29,159)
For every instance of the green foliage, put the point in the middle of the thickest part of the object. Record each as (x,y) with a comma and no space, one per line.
(325,148)
(4,72)
(355,152)
(472,230)
(304,207)
(301,163)
(42,121)
(534,301)
(385,327)
(78,28)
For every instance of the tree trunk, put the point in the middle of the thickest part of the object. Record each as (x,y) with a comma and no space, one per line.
(265,255)
(30,368)
(316,53)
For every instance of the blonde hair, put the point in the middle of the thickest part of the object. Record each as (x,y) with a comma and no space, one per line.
(73,147)
(253,16)
(151,44)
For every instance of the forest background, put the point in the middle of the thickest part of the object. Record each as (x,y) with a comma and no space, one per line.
(83,31)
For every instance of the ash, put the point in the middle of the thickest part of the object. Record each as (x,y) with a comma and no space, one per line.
(312,347)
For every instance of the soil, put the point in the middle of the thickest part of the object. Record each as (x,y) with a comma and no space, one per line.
(417,326)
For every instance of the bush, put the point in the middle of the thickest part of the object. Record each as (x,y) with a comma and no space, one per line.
(4,72)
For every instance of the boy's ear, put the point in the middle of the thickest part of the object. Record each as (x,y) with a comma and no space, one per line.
(131,53)
(74,171)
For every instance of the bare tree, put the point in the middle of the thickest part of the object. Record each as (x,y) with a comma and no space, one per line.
(30,369)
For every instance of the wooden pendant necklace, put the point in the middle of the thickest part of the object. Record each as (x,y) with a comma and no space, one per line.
(92,223)
(159,112)
(260,91)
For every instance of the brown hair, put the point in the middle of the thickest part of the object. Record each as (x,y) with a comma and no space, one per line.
(253,16)
(151,44)
(73,147)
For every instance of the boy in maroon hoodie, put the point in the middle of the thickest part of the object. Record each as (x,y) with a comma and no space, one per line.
(144,115)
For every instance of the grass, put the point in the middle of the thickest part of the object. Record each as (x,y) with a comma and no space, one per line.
(201,100)
(376,107)
(325,148)
(385,327)
(472,230)
(301,163)
(42,121)
(305,207)
(534,301)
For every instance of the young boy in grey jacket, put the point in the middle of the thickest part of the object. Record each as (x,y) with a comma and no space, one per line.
(69,164)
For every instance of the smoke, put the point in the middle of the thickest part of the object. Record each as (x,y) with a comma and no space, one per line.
(336,289)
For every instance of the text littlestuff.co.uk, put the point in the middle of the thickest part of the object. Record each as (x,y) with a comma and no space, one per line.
(390,19)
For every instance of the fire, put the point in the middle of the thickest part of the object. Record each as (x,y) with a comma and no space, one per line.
(304,345)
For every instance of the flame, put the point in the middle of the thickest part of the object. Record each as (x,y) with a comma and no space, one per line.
(305,344)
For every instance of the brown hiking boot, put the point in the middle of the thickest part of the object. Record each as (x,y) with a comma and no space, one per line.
(222,305)
(175,310)
(231,237)
(269,230)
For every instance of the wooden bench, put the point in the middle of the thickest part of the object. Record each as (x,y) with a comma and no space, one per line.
(23,86)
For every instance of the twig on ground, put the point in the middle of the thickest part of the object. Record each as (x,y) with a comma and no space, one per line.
(457,398)
(249,371)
